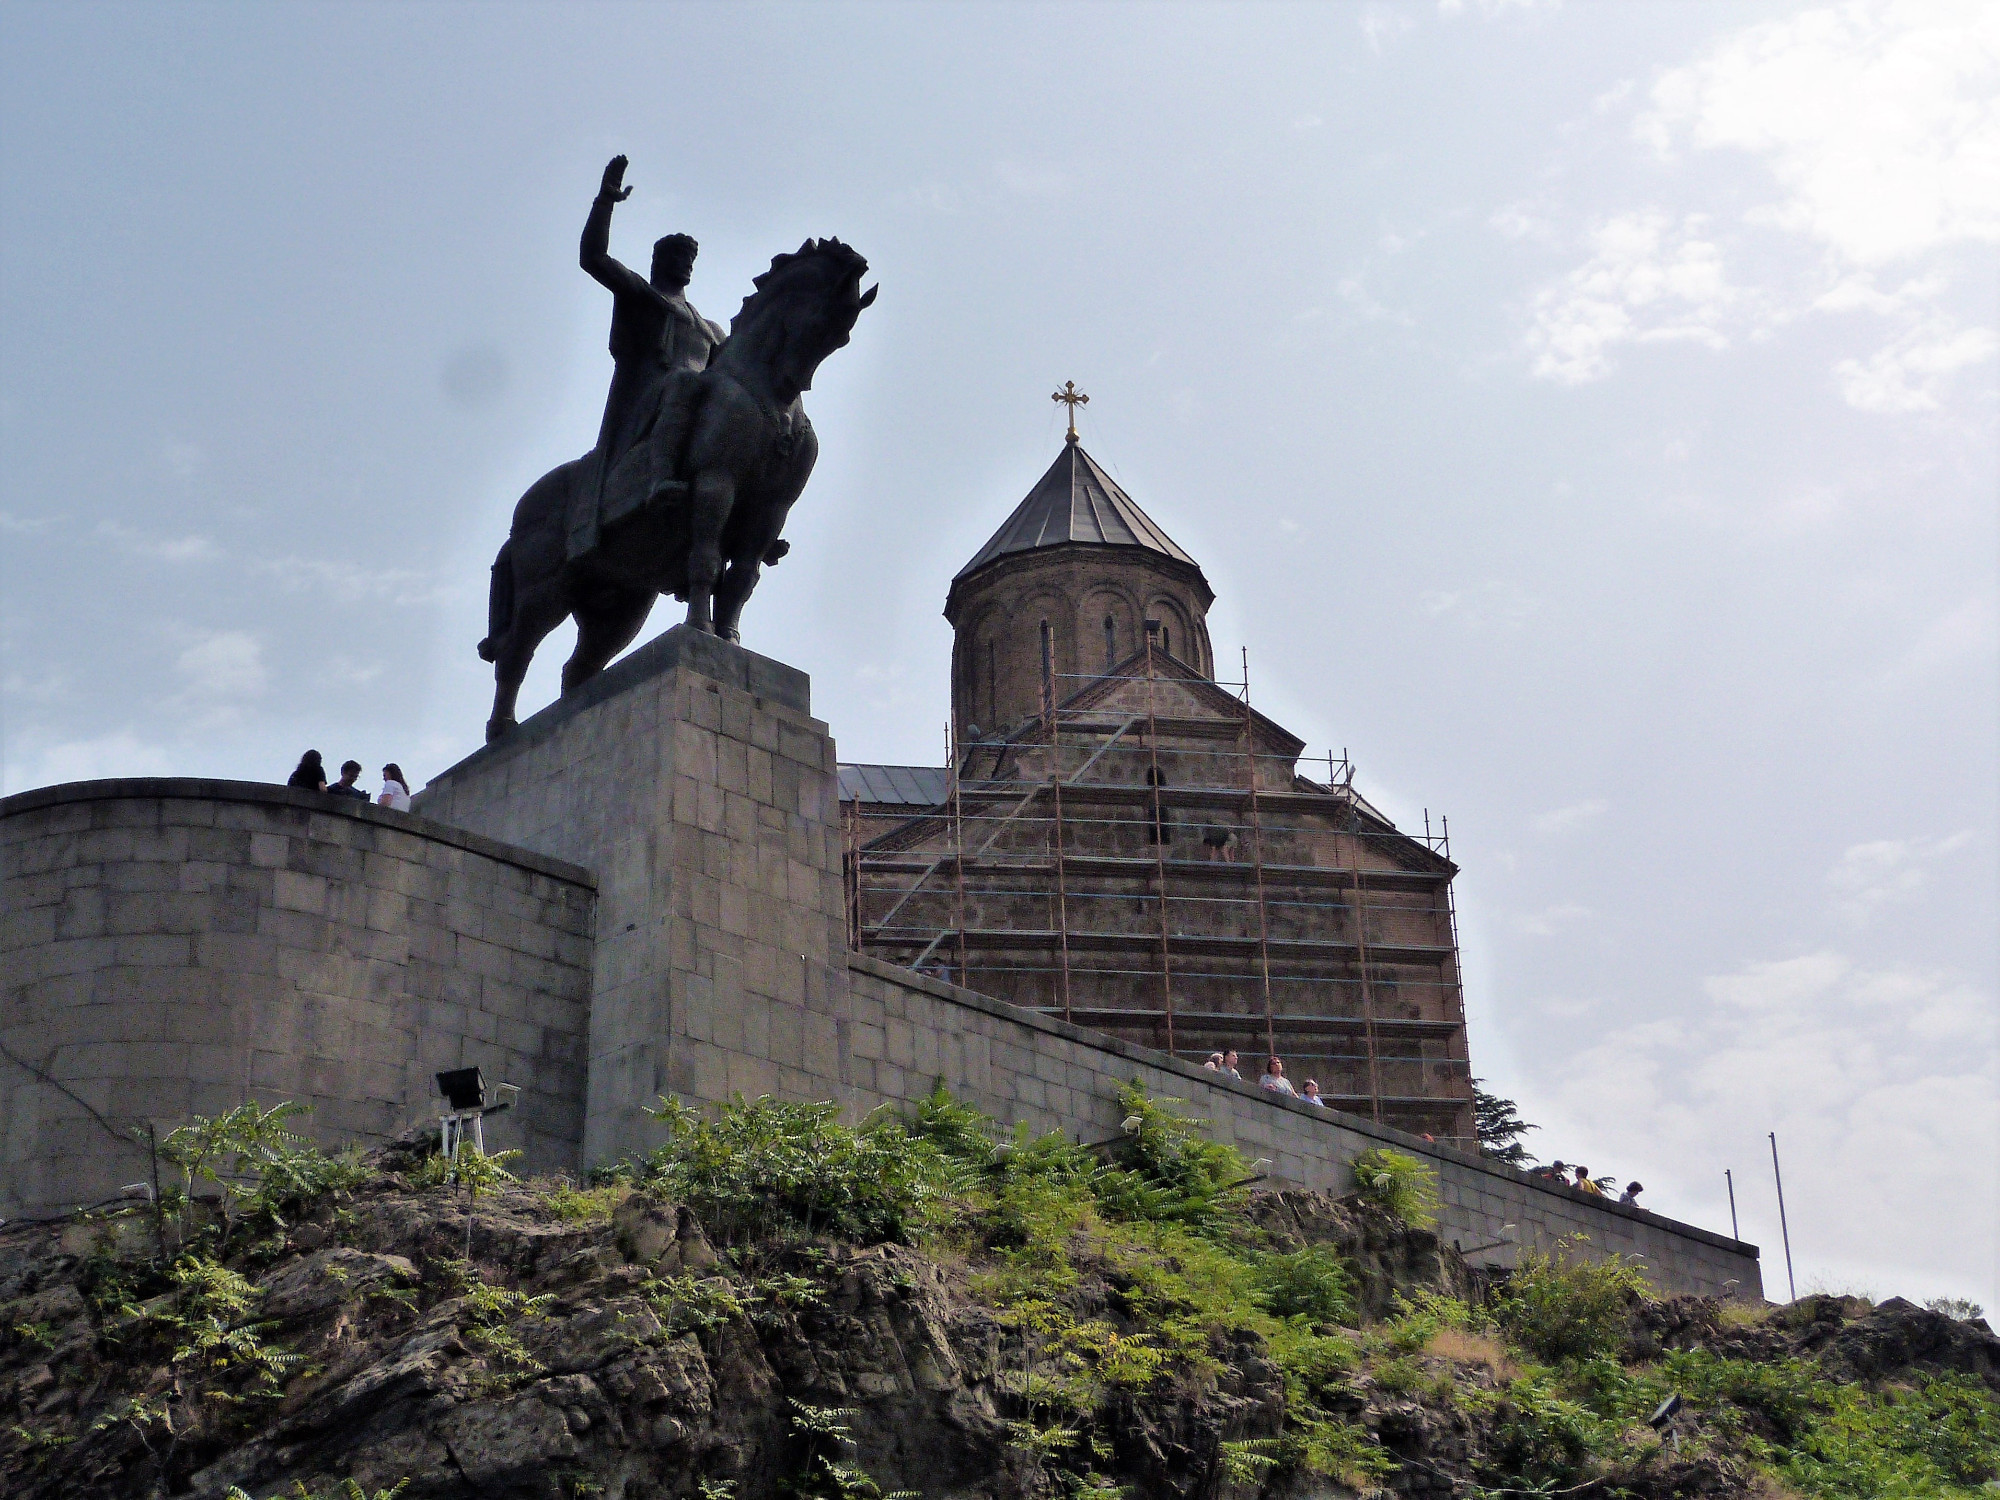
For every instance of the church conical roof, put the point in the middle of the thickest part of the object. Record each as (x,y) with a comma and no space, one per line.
(1075,501)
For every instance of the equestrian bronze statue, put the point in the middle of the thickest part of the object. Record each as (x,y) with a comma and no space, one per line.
(703,449)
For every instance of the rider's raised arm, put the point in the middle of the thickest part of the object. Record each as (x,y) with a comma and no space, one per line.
(594,251)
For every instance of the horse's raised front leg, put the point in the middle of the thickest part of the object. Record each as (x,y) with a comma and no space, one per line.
(714,495)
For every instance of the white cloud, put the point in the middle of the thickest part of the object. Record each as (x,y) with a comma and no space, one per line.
(27,525)
(1880,121)
(1877,1081)
(1565,818)
(1957,639)
(1907,374)
(1887,872)
(120,753)
(222,665)
(1551,919)
(1032,179)
(1774,513)
(181,459)
(350,582)
(1481,606)
(1650,279)
(164,549)
(1524,221)
(1381,24)
(1491,9)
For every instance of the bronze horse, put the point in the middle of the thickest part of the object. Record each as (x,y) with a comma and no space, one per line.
(696,506)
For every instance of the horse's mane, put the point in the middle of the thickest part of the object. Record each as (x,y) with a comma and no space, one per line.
(828,260)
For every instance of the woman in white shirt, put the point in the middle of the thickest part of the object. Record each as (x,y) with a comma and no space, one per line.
(1274,1077)
(395,788)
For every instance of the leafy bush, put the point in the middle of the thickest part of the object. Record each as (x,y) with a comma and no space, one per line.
(1314,1283)
(1559,1306)
(1959,1309)
(1540,1438)
(260,1168)
(1166,1169)
(1399,1183)
(778,1167)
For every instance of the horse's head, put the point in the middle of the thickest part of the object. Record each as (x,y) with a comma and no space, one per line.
(804,308)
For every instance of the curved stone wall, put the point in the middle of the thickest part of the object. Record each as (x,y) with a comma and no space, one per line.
(174,947)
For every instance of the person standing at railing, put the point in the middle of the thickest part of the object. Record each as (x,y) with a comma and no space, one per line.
(1274,1077)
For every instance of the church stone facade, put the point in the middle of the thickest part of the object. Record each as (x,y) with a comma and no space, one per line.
(1125,843)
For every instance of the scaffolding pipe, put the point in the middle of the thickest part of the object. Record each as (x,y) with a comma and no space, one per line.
(1367,986)
(1159,842)
(1257,861)
(1062,893)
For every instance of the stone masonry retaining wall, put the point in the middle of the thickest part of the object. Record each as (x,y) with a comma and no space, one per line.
(886,1034)
(692,777)
(175,947)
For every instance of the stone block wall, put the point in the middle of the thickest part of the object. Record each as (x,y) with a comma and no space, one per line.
(693,779)
(889,1034)
(175,947)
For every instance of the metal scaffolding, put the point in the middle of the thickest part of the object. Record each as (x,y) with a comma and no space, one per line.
(1284,934)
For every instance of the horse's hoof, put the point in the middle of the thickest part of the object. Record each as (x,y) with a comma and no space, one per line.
(498,729)
(730,633)
(487,650)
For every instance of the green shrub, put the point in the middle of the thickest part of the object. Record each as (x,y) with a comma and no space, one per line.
(1314,1283)
(778,1167)
(1399,1183)
(958,1130)
(1539,1438)
(261,1169)
(1559,1306)
(1166,1170)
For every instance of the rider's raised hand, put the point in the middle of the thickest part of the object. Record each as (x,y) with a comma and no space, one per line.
(614,175)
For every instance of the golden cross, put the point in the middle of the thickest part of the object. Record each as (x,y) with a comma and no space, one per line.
(1071,397)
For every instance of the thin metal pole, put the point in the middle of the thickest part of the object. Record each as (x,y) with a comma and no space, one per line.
(1062,885)
(1783,1227)
(1257,863)
(1159,846)
(1367,989)
(957,841)
(1730,1183)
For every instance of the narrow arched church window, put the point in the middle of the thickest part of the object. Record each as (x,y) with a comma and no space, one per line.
(1110,643)
(992,686)
(1048,653)
(1166,640)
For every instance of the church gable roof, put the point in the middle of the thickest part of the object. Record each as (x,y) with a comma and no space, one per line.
(1177,691)
(1075,501)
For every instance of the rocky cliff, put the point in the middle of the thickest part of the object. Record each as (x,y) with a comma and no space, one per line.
(1044,1327)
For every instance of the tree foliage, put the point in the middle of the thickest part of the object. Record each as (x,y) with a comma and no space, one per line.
(1500,1127)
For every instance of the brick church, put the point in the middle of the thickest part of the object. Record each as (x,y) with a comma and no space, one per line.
(1123,842)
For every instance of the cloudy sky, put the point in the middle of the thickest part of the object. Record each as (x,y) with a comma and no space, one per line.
(1585,413)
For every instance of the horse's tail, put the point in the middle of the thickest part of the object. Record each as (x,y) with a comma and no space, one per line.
(499,602)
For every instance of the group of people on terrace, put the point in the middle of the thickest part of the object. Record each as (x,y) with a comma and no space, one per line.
(1273,1077)
(310,775)
(1578,1177)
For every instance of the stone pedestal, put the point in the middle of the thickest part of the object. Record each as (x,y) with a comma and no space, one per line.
(693,781)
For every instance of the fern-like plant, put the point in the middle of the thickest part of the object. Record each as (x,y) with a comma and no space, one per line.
(1400,1183)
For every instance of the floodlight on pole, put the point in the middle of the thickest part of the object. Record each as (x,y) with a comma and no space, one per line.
(465,1095)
